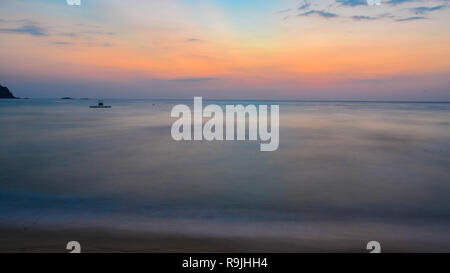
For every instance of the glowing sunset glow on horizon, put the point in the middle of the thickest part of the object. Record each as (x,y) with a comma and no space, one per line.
(227,49)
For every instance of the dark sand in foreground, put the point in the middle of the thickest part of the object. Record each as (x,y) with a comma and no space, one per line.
(41,241)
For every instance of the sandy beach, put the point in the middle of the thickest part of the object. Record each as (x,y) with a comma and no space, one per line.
(98,241)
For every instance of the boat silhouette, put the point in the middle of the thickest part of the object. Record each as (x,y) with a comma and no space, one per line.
(100,104)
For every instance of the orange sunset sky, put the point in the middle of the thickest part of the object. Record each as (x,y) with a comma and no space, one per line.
(336,49)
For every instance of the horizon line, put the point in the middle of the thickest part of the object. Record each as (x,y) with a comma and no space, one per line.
(279,100)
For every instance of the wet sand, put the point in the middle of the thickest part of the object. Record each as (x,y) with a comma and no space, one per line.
(98,241)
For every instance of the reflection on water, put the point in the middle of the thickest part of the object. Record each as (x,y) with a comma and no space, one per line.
(339,163)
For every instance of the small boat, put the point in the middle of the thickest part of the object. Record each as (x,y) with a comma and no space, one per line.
(100,104)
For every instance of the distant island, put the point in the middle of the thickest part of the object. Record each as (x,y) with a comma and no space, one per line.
(5,93)
(66,98)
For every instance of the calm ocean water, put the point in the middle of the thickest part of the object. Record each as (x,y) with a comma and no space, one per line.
(352,170)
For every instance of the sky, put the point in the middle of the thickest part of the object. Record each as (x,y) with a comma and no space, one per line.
(227,49)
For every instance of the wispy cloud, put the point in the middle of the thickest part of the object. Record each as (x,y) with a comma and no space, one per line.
(370,18)
(362,17)
(321,13)
(423,10)
(84,34)
(194,79)
(193,40)
(61,43)
(28,29)
(352,3)
(304,5)
(412,18)
(394,2)
(68,34)
(284,11)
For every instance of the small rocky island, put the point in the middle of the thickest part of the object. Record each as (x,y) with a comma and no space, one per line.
(5,93)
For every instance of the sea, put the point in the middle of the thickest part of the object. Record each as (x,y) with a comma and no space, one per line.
(344,171)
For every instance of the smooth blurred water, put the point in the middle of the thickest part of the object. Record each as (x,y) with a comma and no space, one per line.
(341,167)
